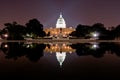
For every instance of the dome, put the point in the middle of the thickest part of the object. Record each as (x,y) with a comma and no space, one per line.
(60,22)
(60,57)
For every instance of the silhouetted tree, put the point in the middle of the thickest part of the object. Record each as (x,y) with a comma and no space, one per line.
(35,27)
(73,33)
(99,27)
(116,32)
(14,31)
(48,34)
(82,30)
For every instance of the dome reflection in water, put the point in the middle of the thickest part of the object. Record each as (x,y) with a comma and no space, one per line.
(63,59)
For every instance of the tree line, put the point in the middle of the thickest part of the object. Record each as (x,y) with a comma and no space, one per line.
(86,31)
(34,29)
(15,31)
(36,51)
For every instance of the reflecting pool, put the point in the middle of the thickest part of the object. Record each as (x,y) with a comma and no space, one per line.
(60,60)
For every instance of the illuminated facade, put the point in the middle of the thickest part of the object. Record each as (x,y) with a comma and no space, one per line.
(60,28)
(60,22)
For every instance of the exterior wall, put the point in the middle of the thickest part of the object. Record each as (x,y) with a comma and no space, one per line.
(57,31)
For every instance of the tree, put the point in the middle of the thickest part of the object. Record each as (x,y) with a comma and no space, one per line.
(48,34)
(82,30)
(73,33)
(99,28)
(116,31)
(35,27)
(14,31)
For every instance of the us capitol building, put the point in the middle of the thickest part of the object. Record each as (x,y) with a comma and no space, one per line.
(60,30)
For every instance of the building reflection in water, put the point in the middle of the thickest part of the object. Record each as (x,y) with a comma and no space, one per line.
(61,57)
(34,51)
(60,49)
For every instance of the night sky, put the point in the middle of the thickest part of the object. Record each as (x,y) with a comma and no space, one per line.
(74,11)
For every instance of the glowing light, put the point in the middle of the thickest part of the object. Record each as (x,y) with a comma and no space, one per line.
(6,35)
(95,46)
(28,46)
(51,52)
(64,44)
(6,46)
(61,57)
(70,52)
(95,34)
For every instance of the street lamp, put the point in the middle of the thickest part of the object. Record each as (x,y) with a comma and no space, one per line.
(95,35)
(6,46)
(6,35)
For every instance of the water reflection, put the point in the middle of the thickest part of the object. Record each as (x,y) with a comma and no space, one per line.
(60,49)
(34,51)
(61,57)
(16,50)
(95,49)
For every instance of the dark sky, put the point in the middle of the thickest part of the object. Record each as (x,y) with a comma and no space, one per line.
(74,11)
